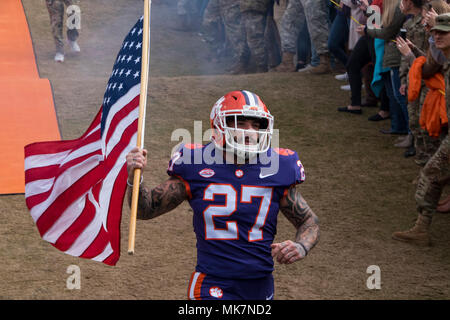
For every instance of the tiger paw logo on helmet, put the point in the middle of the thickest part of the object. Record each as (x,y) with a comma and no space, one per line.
(216,292)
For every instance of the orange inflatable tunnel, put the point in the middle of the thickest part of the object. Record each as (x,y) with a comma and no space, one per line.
(27,112)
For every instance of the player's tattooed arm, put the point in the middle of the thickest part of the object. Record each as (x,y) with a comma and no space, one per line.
(164,198)
(298,212)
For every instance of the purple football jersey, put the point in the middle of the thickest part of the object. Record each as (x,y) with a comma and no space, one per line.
(235,208)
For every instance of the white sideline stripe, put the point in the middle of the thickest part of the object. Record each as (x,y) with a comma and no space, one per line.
(64,181)
(65,220)
(38,186)
(192,288)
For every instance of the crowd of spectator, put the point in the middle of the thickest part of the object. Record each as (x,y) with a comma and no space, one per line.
(390,52)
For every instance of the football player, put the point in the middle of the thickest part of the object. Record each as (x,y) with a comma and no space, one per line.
(235,200)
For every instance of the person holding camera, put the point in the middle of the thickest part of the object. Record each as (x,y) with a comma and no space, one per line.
(359,64)
(413,43)
(436,173)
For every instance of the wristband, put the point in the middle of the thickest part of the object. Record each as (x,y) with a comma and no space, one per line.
(130,185)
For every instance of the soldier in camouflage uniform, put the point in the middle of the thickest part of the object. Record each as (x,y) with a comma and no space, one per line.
(56,11)
(315,14)
(235,33)
(254,16)
(212,29)
(436,173)
(189,14)
(227,14)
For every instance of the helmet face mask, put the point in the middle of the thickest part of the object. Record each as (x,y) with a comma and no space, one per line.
(242,128)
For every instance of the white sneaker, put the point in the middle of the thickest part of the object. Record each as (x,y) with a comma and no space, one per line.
(341,77)
(74,47)
(306,68)
(59,57)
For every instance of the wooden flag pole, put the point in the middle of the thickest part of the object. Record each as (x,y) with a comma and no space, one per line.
(141,123)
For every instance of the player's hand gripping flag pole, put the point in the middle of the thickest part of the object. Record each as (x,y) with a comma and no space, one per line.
(141,121)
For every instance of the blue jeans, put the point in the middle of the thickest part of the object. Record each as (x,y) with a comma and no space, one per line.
(338,37)
(401,99)
(304,44)
(397,102)
(315,59)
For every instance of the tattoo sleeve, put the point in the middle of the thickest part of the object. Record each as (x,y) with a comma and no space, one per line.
(165,197)
(297,211)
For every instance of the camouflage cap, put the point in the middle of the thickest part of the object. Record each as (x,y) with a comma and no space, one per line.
(442,23)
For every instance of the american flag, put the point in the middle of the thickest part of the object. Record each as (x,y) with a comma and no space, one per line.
(75,189)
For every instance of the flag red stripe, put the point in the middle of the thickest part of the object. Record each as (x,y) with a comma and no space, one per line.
(80,144)
(113,222)
(124,141)
(81,186)
(72,233)
(57,170)
(122,113)
(49,147)
(116,202)
(42,197)
(68,237)
(98,245)
(112,259)
(115,208)
(77,161)
(41,173)
(36,199)
(60,204)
